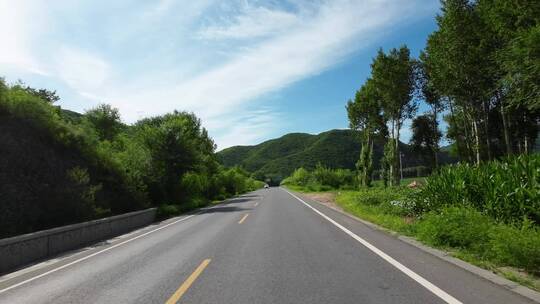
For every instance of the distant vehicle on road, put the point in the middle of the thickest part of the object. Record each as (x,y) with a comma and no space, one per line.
(266,186)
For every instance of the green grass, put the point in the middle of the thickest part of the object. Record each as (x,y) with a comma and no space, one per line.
(509,273)
(519,277)
(374,205)
(310,188)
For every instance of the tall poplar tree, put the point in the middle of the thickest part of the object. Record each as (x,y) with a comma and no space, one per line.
(393,78)
(461,55)
(365,116)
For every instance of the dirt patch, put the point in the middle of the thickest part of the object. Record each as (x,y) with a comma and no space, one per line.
(409,219)
(326,198)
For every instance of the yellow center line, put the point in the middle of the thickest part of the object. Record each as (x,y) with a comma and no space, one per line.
(256,204)
(187,283)
(243,218)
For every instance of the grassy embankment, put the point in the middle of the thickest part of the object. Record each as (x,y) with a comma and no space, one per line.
(488,215)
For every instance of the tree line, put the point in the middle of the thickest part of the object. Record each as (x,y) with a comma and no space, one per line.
(479,71)
(69,167)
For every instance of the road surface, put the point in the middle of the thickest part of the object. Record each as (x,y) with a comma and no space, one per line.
(264,247)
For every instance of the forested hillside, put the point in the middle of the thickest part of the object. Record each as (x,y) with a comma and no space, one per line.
(59,167)
(278,158)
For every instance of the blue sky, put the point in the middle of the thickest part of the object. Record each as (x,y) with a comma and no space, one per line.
(251,70)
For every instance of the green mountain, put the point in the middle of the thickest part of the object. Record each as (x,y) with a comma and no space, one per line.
(71,116)
(278,158)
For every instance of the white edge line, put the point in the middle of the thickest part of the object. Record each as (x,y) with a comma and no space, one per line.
(96,253)
(413,275)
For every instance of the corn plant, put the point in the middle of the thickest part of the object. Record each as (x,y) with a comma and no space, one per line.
(507,190)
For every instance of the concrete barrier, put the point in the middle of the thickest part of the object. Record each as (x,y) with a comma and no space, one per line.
(23,249)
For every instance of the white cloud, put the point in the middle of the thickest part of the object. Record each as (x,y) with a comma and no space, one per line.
(175,55)
(15,33)
(83,71)
(254,22)
(245,128)
(162,6)
(315,45)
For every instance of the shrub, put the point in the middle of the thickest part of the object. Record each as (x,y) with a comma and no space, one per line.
(83,190)
(519,247)
(193,184)
(460,227)
(299,177)
(135,160)
(166,210)
(321,178)
(233,181)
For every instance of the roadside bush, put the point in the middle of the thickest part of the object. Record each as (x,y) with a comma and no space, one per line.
(403,207)
(321,179)
(460,227)
(519,247)
(135,160)
(233,180)
(194,184)
(333,178)
(84,192)
(253,184)
(466,228)
(300,177)
(376,196)
(379,195)
(193,203)
(166,210)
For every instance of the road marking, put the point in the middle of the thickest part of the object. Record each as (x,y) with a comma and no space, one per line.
(243,218)
(99,252)
(413,275)
(187,283)
(257,203)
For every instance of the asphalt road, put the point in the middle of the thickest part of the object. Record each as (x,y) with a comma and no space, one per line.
(263,247)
